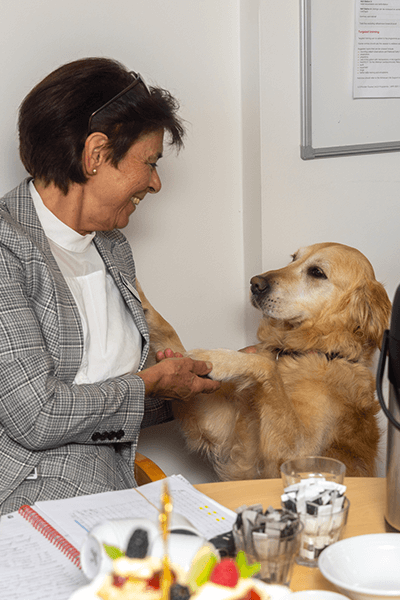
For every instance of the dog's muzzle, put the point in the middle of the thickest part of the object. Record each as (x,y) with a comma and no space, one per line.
(259,286)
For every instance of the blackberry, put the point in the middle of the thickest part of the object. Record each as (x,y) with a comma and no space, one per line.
(179,592)
(138,544)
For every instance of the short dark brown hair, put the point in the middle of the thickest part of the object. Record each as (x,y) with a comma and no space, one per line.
(54,117)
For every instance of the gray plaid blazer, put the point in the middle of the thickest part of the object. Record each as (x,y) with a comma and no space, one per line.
(41,344)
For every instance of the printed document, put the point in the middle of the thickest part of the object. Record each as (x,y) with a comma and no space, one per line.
(377,49)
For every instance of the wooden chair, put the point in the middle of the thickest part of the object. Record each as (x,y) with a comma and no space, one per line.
(146,470)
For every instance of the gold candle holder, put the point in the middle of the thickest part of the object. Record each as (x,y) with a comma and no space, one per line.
(164,518)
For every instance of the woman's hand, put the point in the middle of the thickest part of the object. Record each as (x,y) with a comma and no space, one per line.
(167,353)
(177,377)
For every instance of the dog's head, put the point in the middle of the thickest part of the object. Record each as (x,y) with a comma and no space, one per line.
(326,286)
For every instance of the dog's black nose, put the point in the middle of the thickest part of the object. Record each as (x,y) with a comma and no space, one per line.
(259,285)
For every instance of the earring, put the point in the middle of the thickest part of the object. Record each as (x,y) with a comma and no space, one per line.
(94,171)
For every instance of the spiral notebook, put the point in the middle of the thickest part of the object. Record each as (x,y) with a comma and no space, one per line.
(41,543)
(32,568)
(51,534)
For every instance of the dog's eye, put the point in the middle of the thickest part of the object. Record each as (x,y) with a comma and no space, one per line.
(316,272)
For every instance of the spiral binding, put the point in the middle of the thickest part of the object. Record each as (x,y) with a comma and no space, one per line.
(51,534)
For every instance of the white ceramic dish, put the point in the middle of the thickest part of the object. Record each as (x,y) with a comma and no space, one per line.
(365,567)
(276,592)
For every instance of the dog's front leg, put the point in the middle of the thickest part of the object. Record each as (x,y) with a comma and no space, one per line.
(294,421)
(228,364)
(162,334)
(231,364)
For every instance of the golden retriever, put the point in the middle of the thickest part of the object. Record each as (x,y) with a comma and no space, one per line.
(306,388)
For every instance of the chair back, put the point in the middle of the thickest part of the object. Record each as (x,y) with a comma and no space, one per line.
(146,470)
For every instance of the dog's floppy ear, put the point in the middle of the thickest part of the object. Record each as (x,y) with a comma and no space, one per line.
(369,310)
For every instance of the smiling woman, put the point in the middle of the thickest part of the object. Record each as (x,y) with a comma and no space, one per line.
(74,341)
(111,194)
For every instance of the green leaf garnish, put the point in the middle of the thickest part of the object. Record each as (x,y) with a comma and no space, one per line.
(245,569)
(201,568)
(113,552)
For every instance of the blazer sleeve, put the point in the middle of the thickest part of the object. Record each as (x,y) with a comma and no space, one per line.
(38,410)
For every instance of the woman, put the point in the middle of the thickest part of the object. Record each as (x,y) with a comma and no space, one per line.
(73,337)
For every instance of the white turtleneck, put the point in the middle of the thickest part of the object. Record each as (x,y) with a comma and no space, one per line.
(112,342)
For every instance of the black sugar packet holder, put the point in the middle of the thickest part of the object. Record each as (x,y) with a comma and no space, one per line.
(225,544)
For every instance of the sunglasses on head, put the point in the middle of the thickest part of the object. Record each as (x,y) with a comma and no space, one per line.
(136,80)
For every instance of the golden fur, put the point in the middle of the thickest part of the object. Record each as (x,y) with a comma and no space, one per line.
(308,390)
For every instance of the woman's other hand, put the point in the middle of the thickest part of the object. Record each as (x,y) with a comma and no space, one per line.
(167,353)
(177,377)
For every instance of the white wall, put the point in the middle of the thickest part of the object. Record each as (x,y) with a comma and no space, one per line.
(354,200)
(188,240)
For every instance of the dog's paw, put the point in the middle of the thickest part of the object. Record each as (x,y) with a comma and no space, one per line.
(227,364)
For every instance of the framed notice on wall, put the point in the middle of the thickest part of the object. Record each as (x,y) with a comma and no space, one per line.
(336,121)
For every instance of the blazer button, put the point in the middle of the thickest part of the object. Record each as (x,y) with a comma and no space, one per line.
(120,434)
(96,436)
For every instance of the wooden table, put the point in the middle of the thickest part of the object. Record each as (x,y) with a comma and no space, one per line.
(367,497)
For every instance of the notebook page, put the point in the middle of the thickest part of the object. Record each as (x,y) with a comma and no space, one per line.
(31,567)
(206,515)
(77,516)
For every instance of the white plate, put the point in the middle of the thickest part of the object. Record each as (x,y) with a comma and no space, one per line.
(365,567)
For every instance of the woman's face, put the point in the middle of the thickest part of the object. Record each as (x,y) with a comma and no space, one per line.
(114,192)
